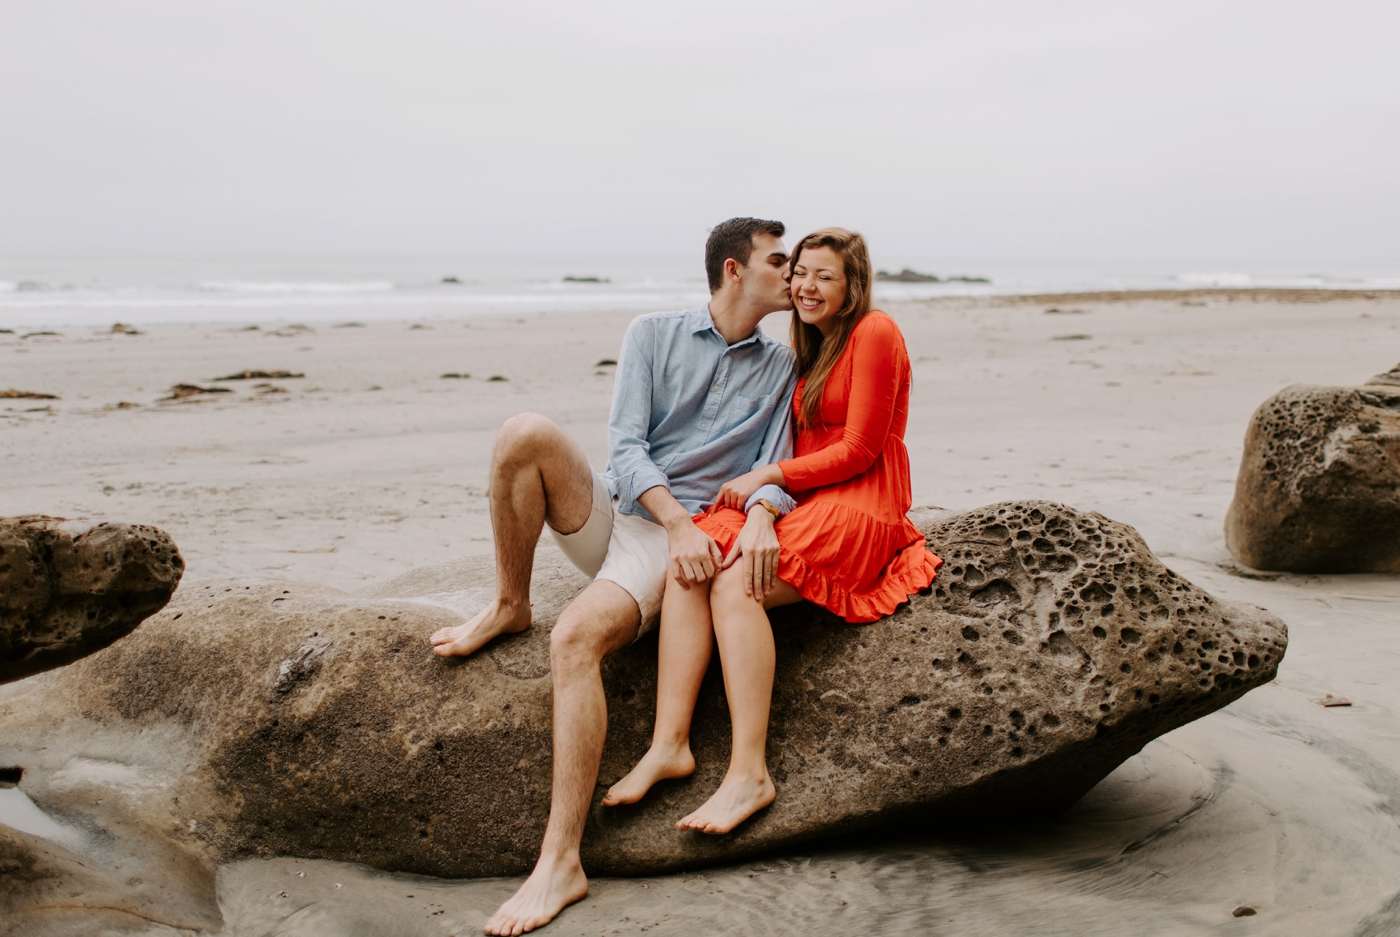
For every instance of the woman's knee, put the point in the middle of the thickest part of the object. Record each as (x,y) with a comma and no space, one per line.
(728,589)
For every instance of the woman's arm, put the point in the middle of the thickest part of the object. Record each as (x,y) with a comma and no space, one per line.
(876,355)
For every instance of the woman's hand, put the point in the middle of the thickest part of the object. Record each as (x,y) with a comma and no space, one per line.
(736,492)
(756,552)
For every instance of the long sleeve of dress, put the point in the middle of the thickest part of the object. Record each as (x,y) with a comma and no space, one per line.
(876,356)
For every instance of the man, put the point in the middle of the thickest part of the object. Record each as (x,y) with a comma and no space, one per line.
(701,397)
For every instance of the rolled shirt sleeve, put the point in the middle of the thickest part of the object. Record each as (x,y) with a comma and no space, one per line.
(633,471)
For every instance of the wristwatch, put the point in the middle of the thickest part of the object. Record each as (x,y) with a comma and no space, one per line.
(769,506)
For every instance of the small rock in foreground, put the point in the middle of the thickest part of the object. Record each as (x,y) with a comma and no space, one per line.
(68,588)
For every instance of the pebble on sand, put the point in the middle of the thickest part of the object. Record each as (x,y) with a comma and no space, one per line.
(497,377)
(1243,910)
(13,394)
(606,362)
(121,328)
(1071,338)
(454,374)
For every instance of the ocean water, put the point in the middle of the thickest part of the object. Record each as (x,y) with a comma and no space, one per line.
(94,290)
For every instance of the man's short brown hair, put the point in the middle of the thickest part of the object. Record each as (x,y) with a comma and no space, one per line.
(734,238)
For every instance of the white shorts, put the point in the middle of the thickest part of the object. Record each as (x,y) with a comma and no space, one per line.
(622,548)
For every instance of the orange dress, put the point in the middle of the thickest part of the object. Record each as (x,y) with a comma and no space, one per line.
(849,546)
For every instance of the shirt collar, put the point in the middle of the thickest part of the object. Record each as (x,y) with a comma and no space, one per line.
(700,320)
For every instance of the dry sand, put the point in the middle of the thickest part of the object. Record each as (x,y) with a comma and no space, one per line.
(373,464)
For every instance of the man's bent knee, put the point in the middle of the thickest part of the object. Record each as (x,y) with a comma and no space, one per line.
(525,431)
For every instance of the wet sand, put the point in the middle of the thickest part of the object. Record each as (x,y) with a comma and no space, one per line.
(1132,407)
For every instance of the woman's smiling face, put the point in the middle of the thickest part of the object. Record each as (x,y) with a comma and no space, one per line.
(818,287)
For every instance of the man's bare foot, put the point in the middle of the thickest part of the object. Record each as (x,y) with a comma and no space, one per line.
(551,888)
(498,618)
(658,764)
(737,799)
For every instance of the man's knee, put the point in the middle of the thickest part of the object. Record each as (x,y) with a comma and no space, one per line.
(576,642)
(524,434)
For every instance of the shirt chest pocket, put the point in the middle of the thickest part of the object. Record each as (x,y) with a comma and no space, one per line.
(747,410)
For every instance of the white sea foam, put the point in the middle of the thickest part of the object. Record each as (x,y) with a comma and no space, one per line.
(1224,278)
(254,286)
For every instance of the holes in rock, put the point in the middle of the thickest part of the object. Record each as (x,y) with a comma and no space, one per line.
(909,699)
(1100,633)
(1130,636)
(1017,752)
(1253,660)
(1011,636)
(955,713)
(1017,719)
(986,730)
(1050,720)
(1059,643)
(1126,668)
(9,777)
(437,746)
(995,593)
(1107,610)
(971,633)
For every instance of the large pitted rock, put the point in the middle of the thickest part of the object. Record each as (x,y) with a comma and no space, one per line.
(1319,483)
(259,717)
(71,587)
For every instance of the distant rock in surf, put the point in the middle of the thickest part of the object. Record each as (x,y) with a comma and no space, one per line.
(1318,489)
(71,587)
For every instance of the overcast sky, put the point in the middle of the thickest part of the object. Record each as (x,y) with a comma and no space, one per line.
(1199,131)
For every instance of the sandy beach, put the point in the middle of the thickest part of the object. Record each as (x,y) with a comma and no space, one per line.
(1133,405)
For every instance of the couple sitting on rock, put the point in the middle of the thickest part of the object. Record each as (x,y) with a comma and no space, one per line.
(692,522)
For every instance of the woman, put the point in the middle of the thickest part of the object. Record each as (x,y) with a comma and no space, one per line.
(848,546)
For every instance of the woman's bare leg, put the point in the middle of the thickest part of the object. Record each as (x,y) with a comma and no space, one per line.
(746,653)
(682,658)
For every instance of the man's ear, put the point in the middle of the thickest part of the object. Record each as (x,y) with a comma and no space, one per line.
(731,270)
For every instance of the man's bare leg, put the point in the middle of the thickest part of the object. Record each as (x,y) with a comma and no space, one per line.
(538,474)
(601,620)
(747,655)
(683,656)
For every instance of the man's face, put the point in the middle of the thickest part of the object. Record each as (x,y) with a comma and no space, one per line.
(765,279)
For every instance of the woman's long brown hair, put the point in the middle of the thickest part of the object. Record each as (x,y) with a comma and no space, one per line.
(815,355)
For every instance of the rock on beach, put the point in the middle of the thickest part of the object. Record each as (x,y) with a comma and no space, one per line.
(71,587)
(1318,489)
(260,717)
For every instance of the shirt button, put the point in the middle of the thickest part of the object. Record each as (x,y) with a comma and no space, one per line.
(704,425)
(715,388)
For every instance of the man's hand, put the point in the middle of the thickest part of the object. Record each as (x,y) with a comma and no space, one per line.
(756,551)
(695,556)
(736,492)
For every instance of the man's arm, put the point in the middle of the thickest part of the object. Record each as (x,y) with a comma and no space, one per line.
(694,554)
(629,452)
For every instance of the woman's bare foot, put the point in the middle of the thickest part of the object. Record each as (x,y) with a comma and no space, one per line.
(551,888)
(658,764)
(737,799)
(498,618)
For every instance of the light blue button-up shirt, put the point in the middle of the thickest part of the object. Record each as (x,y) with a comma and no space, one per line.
(690,412)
